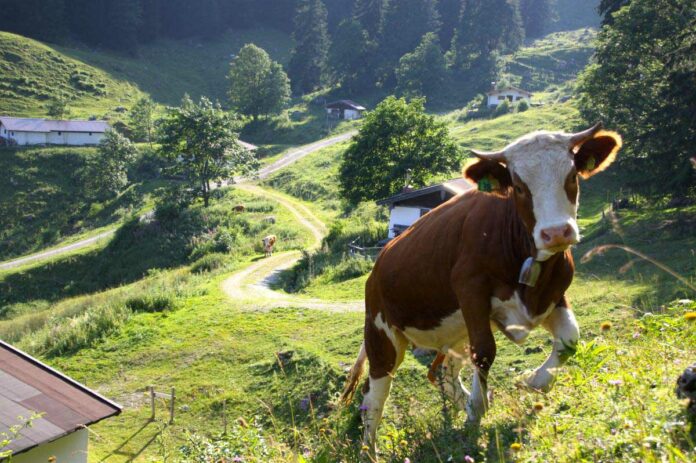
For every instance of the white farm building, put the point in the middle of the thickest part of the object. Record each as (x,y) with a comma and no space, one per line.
(26,131)
(410,205)
(345,109)
(511,94)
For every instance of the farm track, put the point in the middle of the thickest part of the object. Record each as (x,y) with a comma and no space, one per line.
(284,161)
(253,284)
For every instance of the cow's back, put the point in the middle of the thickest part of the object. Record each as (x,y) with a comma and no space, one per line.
(411,280)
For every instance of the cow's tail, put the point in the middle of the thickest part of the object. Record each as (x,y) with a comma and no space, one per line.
(354,376)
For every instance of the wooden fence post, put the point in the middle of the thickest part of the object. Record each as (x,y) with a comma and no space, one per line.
(152,403)
(171,407)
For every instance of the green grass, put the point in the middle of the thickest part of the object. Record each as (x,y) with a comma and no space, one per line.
(550,61)
(32,74)
(43,200)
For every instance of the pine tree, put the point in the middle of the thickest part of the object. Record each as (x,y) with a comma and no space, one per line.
(449,11)
(123,25)
(369,14)
(308,62)
(352,56)
(537,16)
(423,72)
(405,23)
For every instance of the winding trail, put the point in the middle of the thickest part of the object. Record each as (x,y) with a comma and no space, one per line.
(252,285)
(283,161)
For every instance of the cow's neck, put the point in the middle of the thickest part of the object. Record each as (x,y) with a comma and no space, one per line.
(555,273)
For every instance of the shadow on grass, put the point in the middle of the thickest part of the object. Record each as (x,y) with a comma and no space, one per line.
(135,249)
(132,455)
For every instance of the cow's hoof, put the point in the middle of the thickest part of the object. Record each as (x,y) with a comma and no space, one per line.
(535,381)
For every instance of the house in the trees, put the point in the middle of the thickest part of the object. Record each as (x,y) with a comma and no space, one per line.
(410,205)
(345,109)
(27,131)
(511,94)
(58,409)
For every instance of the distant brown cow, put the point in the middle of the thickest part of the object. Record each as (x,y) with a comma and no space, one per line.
(239,208)
(268,243)
(481,262)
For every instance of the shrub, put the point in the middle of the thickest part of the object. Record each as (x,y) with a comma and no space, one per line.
(150,303)
(350,267)
(522,106)
(209,263)
(502,109)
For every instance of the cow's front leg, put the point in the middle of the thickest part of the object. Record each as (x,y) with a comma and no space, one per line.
(562,325)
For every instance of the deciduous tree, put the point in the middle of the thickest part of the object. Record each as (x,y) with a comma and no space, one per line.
(107,172)
(201,140)
(142,119)
(423,72)
(397,142)
(258,85)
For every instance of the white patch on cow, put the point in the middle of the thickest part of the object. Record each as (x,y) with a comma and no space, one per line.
(449,333)
(562,325)
(542,161)
(372,408)
(477,404)
(514,317)
(382,325)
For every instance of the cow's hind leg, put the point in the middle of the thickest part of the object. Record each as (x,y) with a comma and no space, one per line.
(562,325)
(385,348)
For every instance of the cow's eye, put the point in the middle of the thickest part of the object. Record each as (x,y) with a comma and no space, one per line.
(518,190)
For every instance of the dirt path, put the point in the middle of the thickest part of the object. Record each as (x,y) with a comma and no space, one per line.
(284,161)
(253,284)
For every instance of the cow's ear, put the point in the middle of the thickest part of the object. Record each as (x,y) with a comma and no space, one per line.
(490,176)
(597,153)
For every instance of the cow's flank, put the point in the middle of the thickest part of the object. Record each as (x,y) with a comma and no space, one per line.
(452,279)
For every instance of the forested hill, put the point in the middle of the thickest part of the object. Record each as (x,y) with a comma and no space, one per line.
(432,48)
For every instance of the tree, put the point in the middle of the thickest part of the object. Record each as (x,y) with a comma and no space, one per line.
(369,14)
(57,108)
(397,142)
(142,119)
(201,139)
(107,172)
(607,8)
(423,72)
(308,61)
(352,57)
(258,85)
(404,24)
(537,16)
(449,11)
(643,84)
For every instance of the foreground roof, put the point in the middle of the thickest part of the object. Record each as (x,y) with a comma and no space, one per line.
(345,104)
(21,124)
(28,386)
(452,187)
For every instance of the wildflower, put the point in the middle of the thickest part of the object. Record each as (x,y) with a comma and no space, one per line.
(538,406)
(615,382)
(636,335)
(403,443)
(363,408)
(690,316)
(515,446)
(365,448)
(605,326)
(468,459)
(407,460)
(52,459)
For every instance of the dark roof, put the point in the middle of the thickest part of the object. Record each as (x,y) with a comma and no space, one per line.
(497,91)
(345,104)
(20,124)
(28,386)
(451,187)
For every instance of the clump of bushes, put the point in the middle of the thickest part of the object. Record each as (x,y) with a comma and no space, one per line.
(522,106)
(502,109)
(209,263)
(150,303)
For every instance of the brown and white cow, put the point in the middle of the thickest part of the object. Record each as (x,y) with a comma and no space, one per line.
(268,244)
(454,277)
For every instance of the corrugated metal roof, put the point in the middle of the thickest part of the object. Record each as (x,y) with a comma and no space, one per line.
(28,386)
(454,187)
(497,91)
(20,124)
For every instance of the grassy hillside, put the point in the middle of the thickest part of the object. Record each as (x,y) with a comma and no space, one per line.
(44,201)
(32,74)
(98,82)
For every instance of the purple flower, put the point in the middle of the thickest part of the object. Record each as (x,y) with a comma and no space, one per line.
(363,408)
(407,460)
(615,382)
(468,459)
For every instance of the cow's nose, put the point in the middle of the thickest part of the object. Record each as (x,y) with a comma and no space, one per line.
(558,236)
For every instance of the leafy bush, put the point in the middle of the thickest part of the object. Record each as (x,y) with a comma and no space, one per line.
(150,303)
(502,109)
(350,267)
(522,106)
(242,443)
(209,263)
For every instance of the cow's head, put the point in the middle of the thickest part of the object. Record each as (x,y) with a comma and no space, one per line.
(540,170)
